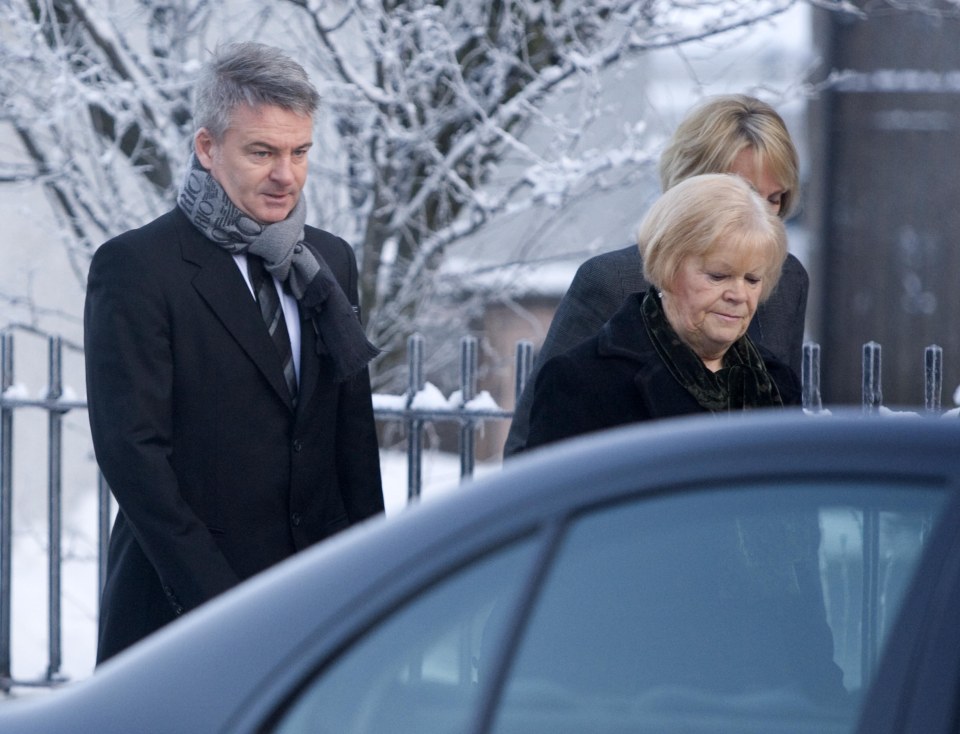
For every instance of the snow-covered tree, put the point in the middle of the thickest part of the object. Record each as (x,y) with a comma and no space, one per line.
(434,120)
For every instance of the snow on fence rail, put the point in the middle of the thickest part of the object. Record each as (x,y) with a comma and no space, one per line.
(422,403)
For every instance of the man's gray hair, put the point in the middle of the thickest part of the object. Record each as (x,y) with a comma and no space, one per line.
(253,74)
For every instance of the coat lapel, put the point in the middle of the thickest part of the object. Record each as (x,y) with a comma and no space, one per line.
(309,361)
(661,393)
(315,369)
(625,335)
(220,284)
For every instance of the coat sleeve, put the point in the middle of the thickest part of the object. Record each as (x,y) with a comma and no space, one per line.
(565,402)
(129,374)
(596,292)
(358,459)
(779,323)
(358,452)
(786,380)
(798,315)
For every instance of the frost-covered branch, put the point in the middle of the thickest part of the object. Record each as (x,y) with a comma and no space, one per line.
(428,101)
(438,116)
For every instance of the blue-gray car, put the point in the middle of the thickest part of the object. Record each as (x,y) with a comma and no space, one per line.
(769,572)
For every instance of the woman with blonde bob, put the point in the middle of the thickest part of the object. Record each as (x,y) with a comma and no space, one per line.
(730,133)
(712,251)
(739,134)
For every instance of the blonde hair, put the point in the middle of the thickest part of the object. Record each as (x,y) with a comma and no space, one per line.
(713,135)
(702,213)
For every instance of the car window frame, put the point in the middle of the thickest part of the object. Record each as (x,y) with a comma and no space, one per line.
(433,573)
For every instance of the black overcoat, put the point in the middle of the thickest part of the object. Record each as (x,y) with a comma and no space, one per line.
(215,473)
(616,377)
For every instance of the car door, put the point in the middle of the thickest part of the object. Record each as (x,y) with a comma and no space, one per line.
(423,665)
(741,606)
(917,688)
(750,607)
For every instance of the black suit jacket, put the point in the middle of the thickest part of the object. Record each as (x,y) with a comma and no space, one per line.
(602,284)
(616,377)
(216,475)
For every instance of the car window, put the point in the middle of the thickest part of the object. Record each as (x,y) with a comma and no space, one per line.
(742,610)
(418,670)
(867,557)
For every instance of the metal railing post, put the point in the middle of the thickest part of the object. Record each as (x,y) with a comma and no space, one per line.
(932,378)
(872,391)
(523,369)
(468,391)
(810,377)
(6,509)
(414,425)
(55,508)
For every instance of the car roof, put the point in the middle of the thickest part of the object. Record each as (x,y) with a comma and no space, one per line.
(331,586)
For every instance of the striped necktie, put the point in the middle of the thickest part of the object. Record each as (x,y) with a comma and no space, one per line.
(269,302)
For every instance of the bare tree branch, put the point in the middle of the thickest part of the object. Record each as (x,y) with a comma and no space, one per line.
(436,119)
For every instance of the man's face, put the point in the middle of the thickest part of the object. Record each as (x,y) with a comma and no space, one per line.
(261,162)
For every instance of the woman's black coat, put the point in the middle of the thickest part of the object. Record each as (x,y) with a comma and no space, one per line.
(616,377)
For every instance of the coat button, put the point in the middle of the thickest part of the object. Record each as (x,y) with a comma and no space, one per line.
(295,519)
(297,445)
(298,249)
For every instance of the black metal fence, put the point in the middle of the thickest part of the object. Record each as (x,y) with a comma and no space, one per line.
(407,409)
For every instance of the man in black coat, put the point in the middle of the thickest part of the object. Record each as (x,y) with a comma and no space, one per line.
(228,392)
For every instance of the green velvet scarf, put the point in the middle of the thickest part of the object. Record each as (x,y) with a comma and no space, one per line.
(741,384)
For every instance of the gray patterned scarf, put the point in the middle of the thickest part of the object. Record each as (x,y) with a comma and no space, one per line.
(289,259)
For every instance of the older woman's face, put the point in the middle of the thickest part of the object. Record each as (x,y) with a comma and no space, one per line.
(745,166)
(712,299)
